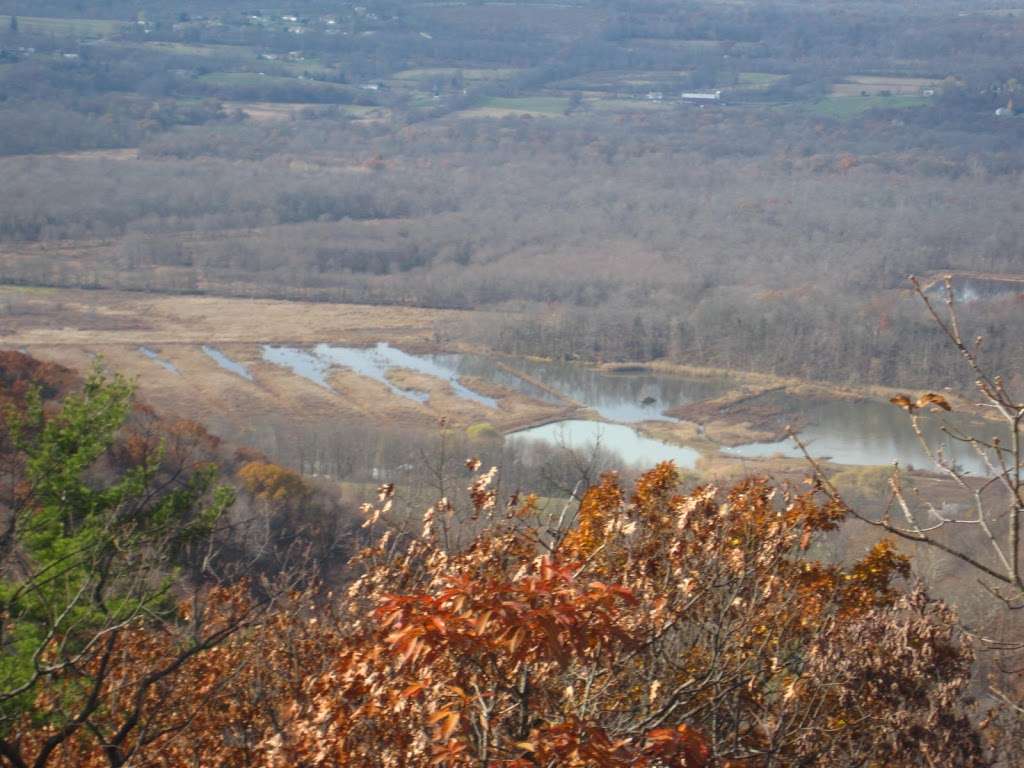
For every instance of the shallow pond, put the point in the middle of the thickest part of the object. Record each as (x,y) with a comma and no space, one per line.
(366,363)
(845,432)
(384,357)
(227,363)
(633,448)
(373,363)
(488,369)
(159,360)
(867,433)
(299,362)
(622,397)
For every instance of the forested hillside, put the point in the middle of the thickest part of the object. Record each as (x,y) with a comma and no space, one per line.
(654,627)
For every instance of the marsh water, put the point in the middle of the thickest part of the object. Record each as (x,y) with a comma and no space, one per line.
(227,363)
(496,372)
(620,396)
(861,432)
(372,362)
(300,362)
(869,432)
(384,357)
(629,445)
(166,364)
(865,432)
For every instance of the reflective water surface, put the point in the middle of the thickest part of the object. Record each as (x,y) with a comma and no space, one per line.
(868,432)
(159,360)
(227,363)
(632,447)
(496,372)
(373,363)
(624,397)
(299,362)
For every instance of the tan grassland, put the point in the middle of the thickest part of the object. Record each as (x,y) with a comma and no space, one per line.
(72,327)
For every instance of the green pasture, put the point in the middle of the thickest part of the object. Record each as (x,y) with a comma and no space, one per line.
(469,75)
(844,107)
(545,105)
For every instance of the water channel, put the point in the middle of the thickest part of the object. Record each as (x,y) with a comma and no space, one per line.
(620,396)
(868,432)
(227,363)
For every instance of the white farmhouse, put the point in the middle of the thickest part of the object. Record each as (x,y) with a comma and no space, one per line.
(702,96)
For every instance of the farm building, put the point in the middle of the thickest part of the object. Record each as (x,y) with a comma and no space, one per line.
(701,96)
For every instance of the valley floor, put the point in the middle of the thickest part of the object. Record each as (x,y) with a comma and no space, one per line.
(164,342)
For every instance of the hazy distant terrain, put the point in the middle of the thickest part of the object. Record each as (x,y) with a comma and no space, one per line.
(541,157)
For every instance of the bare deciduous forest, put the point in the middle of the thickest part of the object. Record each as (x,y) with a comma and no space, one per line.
(672,231)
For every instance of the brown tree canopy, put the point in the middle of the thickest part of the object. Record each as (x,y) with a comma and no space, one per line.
(655,628)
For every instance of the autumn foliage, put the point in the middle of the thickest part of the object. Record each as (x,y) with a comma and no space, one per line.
(651,626)
(657,628)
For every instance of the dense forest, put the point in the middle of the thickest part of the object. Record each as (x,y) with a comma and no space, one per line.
(694,237)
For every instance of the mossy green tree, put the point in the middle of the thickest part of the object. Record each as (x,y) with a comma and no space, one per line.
(92,542)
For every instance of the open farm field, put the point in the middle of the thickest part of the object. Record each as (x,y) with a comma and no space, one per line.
(470,74)
(701,45)
(240,78)
(128,153)
(676,44)
(870,85)
(843,107)
(275,88)
(83,28)
(199,50)
(511,107)
(758,79)
(612,80)
(625,105)
(270,111)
